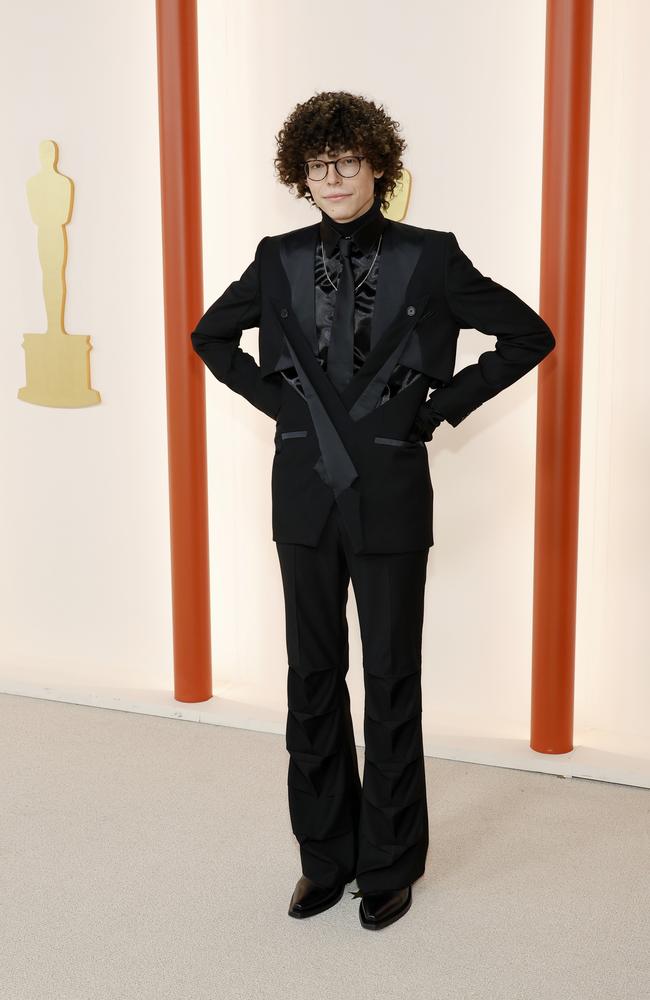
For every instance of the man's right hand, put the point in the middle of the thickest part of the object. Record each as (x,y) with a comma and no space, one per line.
(425,423)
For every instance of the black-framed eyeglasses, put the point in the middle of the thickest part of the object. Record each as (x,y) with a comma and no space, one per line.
(346,166)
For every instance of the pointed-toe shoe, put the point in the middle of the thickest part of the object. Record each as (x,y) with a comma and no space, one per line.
(309,898)
(379,909)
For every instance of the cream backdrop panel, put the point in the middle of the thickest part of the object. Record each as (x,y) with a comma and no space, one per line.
(84,528)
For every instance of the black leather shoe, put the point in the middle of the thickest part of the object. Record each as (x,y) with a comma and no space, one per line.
(379,909)
(309,898)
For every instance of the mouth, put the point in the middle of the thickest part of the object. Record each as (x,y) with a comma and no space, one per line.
(335,197)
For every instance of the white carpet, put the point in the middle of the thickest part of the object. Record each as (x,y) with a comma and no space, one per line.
(144,858)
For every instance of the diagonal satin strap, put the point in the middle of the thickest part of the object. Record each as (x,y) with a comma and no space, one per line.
(340,469)
(334,465)
(340,353)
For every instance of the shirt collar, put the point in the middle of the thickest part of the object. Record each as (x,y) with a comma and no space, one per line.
(364,230)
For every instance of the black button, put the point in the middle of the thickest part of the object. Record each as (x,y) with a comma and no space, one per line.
(284,313)
(411,311)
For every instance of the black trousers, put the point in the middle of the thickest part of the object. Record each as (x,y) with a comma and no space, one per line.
(378,830)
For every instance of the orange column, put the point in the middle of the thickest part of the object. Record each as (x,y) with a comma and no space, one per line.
(178,113)
(564,227)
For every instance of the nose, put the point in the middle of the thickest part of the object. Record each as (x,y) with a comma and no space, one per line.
(335,173)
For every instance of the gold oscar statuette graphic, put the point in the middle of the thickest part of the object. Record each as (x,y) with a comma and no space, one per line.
(57,363)
(399,200)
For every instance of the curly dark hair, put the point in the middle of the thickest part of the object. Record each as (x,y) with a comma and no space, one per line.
(337,120)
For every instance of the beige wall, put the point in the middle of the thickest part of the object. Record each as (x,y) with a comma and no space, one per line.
(84,530)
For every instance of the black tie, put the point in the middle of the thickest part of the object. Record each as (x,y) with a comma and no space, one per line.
(340,352)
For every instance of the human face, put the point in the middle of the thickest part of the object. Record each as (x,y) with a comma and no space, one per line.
(344,198)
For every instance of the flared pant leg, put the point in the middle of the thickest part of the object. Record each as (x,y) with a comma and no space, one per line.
(394,824)
(324,787)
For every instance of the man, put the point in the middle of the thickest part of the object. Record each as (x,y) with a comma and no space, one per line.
(358,317)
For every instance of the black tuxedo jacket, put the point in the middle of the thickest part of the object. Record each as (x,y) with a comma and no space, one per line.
(346,449)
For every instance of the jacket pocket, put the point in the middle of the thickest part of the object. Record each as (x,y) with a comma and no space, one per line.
(282,436)
(399,442)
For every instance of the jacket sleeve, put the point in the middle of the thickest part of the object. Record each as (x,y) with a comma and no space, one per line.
(523,338)
(217,334)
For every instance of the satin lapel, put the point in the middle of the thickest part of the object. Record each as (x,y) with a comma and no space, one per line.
(396,311)
(297,257)
(397,262)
